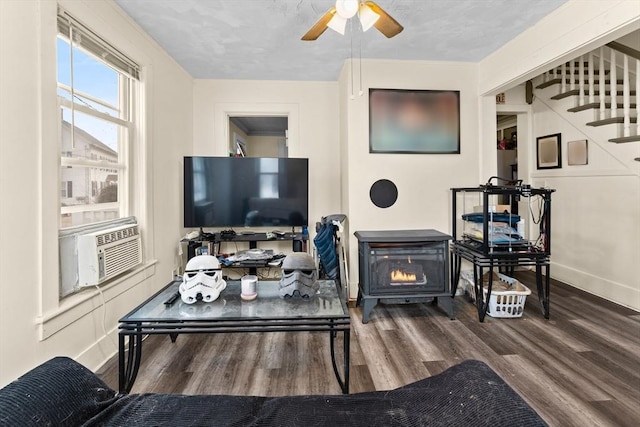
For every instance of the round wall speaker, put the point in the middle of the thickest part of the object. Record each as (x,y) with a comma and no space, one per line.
(383,193)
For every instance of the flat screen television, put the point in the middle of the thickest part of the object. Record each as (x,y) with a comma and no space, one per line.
(245,192)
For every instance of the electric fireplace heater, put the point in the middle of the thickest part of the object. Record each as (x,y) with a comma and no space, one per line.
(403,266)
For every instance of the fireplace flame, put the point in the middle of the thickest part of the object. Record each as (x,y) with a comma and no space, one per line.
(401,276)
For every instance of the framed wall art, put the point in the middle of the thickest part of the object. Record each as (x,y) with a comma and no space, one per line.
(414,121)
(548,152)
(577,152)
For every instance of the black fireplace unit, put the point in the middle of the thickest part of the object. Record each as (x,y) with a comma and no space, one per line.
(403,266)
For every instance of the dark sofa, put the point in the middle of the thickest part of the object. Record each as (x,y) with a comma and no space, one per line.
(62,392)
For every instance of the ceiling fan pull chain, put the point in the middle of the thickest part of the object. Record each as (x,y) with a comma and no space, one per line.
(351,60)
(360,64)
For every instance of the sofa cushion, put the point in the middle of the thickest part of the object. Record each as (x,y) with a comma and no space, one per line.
(60,392)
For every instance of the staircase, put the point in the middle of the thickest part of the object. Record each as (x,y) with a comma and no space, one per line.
(603,83)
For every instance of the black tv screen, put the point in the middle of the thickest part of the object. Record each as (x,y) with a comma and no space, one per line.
(245,192)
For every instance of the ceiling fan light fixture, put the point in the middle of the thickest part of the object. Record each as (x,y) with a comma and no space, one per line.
(347,8)
(367,17)
(337,24)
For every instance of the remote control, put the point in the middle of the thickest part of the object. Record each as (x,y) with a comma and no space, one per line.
(172,299)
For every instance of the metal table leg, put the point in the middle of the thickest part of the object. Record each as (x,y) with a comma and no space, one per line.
(128,370)
(344,384)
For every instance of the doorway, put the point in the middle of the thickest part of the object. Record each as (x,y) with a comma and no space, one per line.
(507,153)
(258,136)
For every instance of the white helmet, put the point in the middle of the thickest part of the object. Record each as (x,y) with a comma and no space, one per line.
(202,280)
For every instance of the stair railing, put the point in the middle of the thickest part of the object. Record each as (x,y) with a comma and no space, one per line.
(614,58)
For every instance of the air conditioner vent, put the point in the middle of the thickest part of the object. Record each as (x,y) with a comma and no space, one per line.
(121,257)
(113,236)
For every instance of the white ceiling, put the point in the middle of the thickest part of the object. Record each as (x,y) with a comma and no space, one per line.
(260,39)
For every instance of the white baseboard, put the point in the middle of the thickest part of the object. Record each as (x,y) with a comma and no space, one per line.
(100,352)
(618,293)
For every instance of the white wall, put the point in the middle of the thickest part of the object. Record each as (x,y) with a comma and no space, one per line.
(263,146)
(313,127)
(34,325)
(595,211)
(423,180)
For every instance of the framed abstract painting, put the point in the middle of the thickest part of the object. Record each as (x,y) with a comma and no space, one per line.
(414,121)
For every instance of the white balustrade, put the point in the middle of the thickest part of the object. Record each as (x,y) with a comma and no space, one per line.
(581,81)
(613,84)
(601,83)
(637,103)
(592,95)
(626,98)
(584,80)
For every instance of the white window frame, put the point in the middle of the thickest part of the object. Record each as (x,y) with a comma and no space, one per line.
(127,121)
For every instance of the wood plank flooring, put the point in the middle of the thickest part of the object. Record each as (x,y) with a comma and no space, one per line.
(579,368)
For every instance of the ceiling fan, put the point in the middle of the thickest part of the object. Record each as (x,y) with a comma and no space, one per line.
(369,13)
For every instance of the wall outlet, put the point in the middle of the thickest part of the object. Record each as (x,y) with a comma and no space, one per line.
(174,274)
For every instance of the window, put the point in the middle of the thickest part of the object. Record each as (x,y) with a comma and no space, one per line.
(66,189)
(97,99)
(96,95)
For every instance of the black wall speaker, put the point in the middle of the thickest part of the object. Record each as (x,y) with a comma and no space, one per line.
(383,193)
(528,92)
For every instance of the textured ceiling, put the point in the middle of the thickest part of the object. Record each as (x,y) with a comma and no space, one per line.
(260,39)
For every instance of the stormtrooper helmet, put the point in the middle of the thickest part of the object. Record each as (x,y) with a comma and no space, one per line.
(202,280)
(299,276)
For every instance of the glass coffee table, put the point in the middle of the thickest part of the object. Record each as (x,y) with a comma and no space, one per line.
(165,313)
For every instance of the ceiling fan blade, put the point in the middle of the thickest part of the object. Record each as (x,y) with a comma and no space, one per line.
(386,24)
(320,26)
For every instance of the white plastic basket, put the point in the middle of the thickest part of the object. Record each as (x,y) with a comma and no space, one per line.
(508,297)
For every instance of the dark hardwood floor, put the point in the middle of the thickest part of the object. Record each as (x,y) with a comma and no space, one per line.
(579,368)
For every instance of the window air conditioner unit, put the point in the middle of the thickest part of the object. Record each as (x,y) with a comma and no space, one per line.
(105,254)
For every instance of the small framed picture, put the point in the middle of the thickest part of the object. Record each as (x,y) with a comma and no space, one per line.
(548,152)
(577,152)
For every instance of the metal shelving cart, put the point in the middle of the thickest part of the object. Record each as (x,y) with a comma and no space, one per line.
(488,248)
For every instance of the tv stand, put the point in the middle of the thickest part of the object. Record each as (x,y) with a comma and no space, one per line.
(297,240)
(254,237)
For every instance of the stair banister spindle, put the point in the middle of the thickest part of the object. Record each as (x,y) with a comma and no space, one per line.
(572,75)
(613,84)
(581,81)
(592,97)
(601,84)
(626,99)
(563,78)
(637,103)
